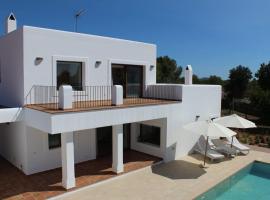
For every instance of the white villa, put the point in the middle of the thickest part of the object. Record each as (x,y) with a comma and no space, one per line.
(69,97)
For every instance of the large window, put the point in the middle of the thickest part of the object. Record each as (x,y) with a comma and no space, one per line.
(69,73)
(54,141)
(149,134)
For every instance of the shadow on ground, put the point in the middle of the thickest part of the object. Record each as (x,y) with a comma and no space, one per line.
(179,169)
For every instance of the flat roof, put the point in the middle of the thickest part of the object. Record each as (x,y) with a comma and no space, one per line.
(77,34)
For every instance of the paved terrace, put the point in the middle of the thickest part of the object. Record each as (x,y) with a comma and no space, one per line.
(15,185)
(100,105)
(180,179)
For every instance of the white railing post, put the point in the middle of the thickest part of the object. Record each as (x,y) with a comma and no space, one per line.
(117,95)
(65,97)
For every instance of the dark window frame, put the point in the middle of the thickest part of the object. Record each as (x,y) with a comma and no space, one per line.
(142,138)
(78,87)
(125,68)
(57,143)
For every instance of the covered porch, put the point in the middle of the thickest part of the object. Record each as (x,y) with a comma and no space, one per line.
(118,144)
(16,185)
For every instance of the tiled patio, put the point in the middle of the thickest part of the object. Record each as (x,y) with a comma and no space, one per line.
(15,185)
(179,179)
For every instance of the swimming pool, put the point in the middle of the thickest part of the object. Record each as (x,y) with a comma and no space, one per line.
(252,182)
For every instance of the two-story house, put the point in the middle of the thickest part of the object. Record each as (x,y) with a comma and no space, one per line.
(110,101)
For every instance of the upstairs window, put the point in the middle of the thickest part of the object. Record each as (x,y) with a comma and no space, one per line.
(69,73)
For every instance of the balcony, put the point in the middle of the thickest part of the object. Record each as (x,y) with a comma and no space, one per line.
(46,98)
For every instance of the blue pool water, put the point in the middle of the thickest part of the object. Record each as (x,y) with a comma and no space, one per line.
(252,182)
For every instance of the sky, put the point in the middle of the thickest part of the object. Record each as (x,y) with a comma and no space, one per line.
(211,35)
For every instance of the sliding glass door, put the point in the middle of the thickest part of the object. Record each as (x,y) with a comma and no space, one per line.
(130,77)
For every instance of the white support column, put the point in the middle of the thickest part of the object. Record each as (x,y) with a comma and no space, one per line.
(117,165)
(68,169)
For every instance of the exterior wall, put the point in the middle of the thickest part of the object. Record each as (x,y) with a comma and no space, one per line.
(11,69)
(41,158)
(31,151)
(198,100)
(13,144)
(54,45)
(148,148)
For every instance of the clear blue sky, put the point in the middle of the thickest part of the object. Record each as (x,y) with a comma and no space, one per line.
(211,35)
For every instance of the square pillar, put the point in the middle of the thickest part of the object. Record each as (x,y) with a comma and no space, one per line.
(65,97)
(68,169)
(117,95)
(117,165)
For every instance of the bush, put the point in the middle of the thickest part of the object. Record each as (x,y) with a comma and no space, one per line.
(260,100)
(257,139)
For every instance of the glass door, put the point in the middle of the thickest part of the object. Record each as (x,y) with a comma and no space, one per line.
(130,77)
(119,76)
(134,81)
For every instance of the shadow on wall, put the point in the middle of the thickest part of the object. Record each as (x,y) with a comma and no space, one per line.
(179,169)
(192,150)
(170,153)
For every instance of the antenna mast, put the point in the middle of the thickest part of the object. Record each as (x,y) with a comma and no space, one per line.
(77,15)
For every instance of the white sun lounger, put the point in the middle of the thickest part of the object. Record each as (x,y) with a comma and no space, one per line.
(238,146)
(223,147)
(210,153)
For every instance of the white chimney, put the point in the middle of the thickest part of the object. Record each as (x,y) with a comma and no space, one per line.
(188,75)
(11,23)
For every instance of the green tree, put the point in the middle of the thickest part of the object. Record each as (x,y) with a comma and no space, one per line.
(260,102)
(237,84)
(263,75)
(167,70)
(212,80)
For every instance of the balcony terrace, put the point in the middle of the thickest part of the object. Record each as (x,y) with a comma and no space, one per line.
(46,98)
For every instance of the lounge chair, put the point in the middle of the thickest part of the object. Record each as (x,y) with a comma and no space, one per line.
(238,146)
(222,147)
(210,153)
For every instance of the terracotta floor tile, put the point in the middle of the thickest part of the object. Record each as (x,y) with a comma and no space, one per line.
(15,185)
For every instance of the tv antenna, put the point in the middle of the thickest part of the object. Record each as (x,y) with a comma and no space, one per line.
(77,15)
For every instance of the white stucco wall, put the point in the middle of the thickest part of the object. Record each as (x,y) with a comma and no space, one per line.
(13,144)
(197,100)
(53,45)
(11,69)
(41,158)
(148,148)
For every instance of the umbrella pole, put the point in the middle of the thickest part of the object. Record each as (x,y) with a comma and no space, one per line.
(206,145)
(232,142)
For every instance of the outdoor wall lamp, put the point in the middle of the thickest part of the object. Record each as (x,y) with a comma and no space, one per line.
(98,63)
(38,60)
(197,117)
(152,67)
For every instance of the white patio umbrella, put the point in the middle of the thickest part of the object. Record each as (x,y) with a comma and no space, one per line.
(209,128)
(234,121)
